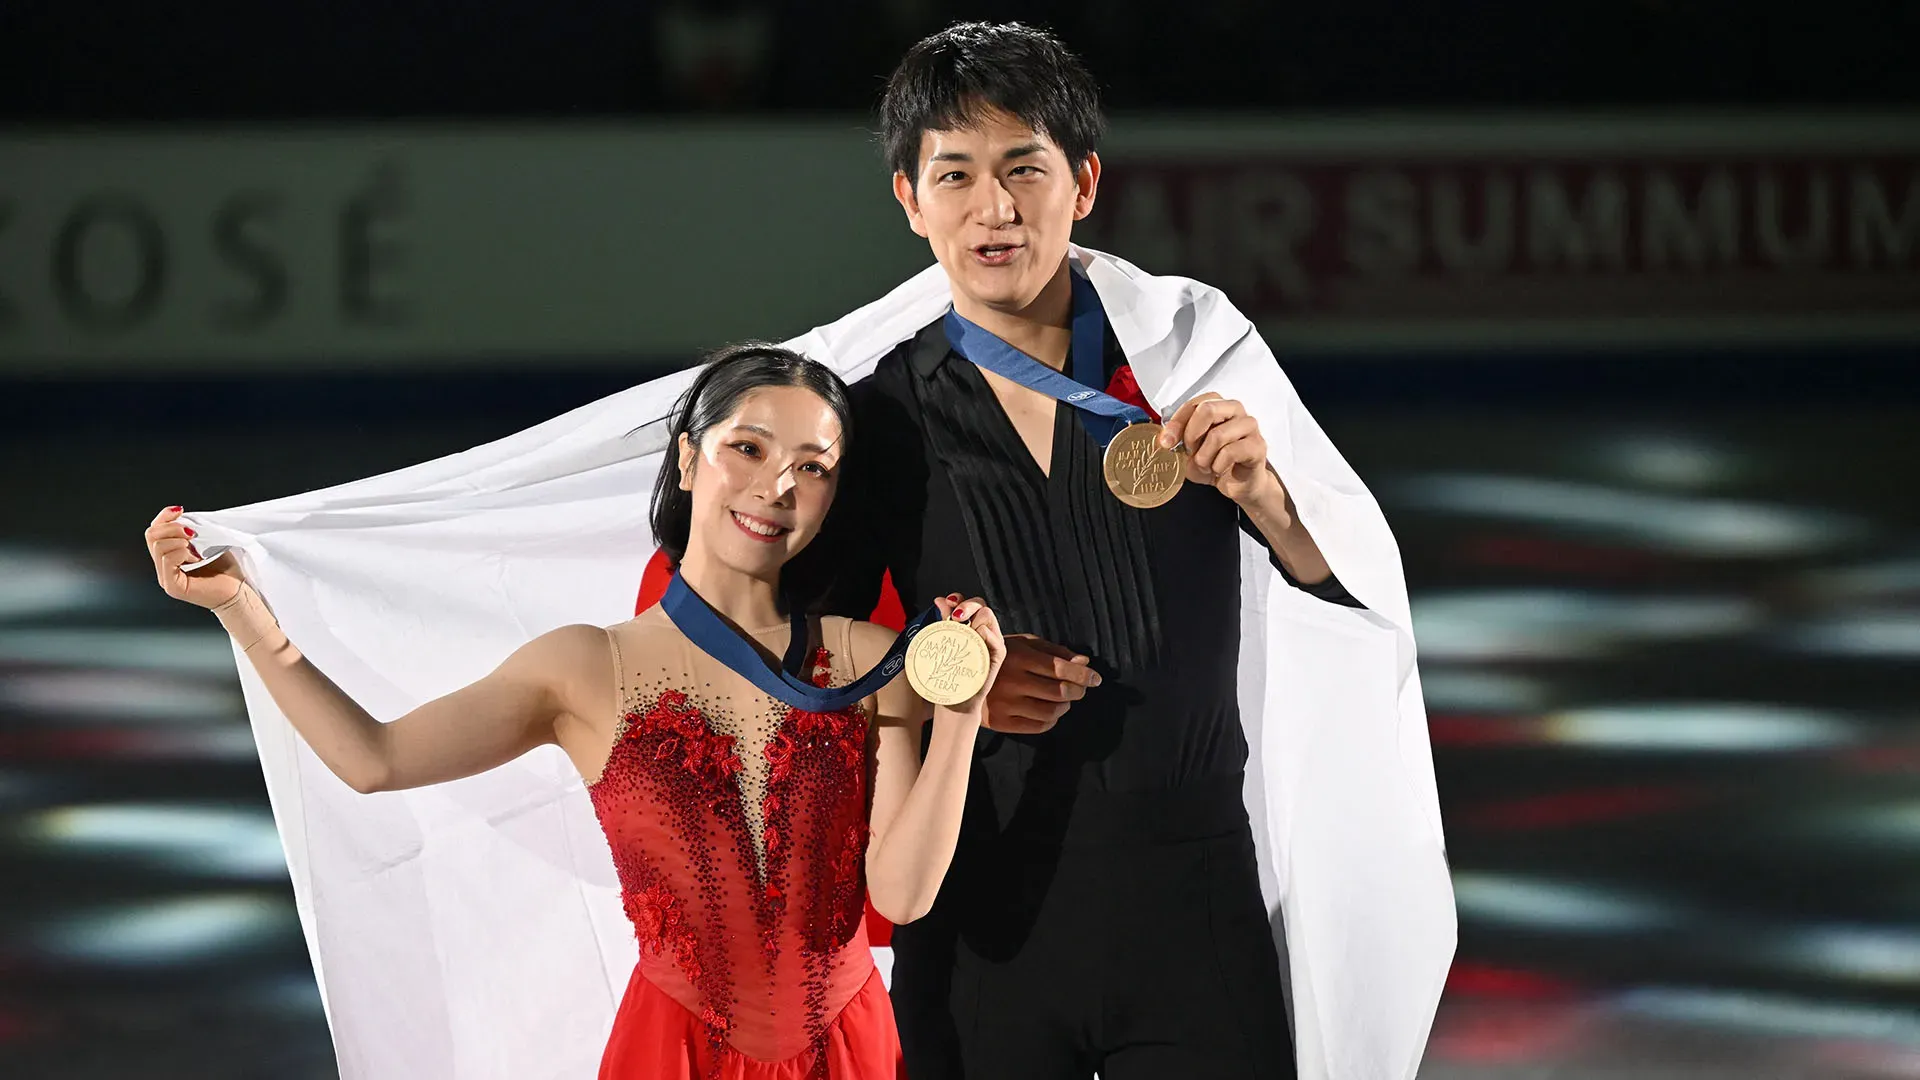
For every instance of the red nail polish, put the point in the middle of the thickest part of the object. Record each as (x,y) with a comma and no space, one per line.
(173,509)
(189,530)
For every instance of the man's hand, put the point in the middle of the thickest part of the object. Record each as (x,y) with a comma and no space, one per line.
(1038,682)
(1225,450)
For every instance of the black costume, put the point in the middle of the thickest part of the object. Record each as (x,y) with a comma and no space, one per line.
(1103,911)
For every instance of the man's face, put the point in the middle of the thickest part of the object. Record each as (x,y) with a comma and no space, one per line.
(996,202)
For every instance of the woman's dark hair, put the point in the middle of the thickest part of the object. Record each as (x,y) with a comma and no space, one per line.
(725,380)
(951,79)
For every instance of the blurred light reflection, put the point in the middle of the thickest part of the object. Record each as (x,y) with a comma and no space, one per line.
(1773,1014)
(1685,525)
(191,930)
(198,652)
(1556,905)
(121,696)
(1894,634)
(1892,823)
(1468,690)
(1865,954)
(1668,460)
(33,584)
(1564,623)
(1724,727)
(200,839)
(1871,581)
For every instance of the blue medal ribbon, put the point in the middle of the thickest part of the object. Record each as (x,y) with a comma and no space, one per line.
(711,635)
(1086,359)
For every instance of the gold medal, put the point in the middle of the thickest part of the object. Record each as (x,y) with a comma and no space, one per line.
(1138,472)
(947,662)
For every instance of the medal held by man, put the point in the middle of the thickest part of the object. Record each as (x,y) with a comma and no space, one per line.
(1139,471)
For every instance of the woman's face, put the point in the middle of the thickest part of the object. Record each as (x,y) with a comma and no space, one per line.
(762,479)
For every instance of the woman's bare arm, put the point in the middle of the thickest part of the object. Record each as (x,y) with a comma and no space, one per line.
(503,715)
(917,805)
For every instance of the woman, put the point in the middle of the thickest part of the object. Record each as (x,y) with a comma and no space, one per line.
(747,825)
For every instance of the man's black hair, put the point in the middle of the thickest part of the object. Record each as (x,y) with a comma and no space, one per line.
(952,79)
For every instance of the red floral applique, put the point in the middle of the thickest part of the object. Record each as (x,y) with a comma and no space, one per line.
(661,925)
(780,758)
(679,734)
(851,861)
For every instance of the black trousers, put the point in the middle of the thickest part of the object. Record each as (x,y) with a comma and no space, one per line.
(1135,954)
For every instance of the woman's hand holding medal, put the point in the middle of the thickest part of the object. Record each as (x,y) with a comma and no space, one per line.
(953,663)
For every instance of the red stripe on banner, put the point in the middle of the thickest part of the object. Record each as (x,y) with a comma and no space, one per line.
(879,930)
(889,611)
(653,583)
(892,614)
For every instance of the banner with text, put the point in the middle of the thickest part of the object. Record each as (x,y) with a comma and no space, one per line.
(603,243)
(1569,233)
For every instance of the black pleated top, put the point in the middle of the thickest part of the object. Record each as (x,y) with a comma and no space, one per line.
(939,489)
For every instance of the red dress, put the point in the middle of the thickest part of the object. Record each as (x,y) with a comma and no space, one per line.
(738,827)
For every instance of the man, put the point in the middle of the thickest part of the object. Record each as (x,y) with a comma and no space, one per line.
(1104,912)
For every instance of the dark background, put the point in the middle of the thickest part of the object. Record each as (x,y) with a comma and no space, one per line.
(411,58)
